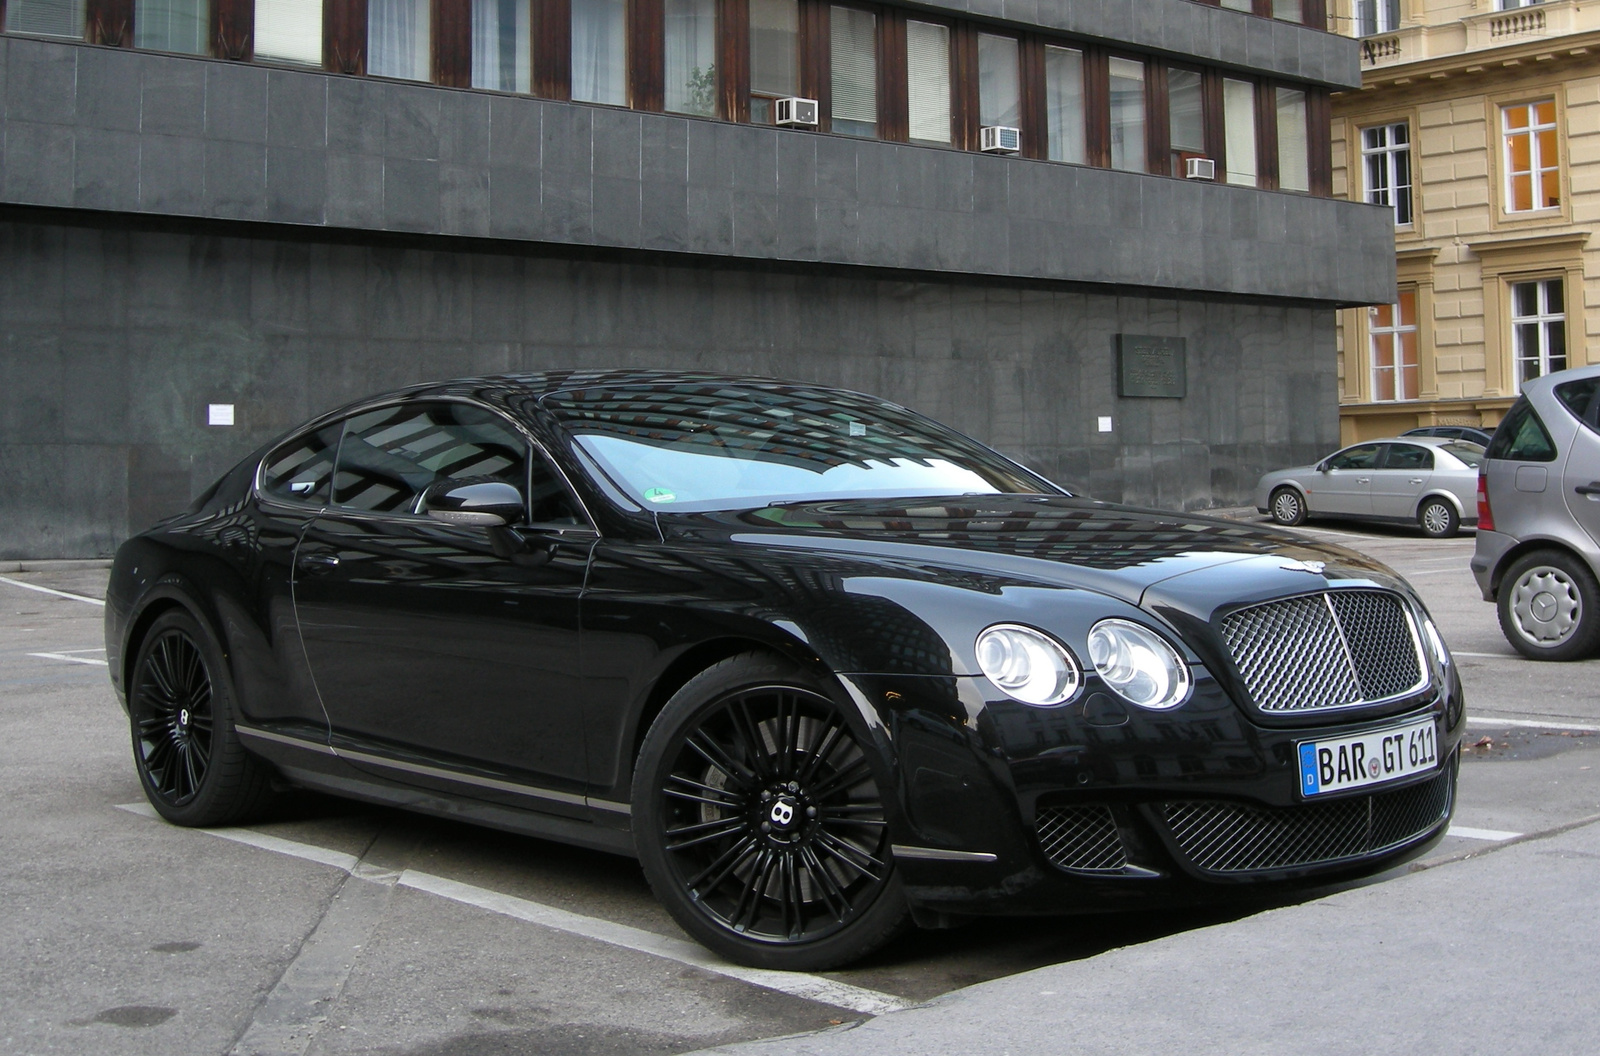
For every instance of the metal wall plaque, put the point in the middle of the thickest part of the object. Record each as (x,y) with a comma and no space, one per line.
(1151,366)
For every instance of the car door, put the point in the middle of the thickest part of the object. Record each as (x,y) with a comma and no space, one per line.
(1344,484)
(447,653)
(1400,479)
(1580,470)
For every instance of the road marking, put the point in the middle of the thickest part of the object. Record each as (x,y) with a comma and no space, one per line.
(1490,720)
(51,590)
(72,659)
(797,984)
(1435,571)
(1492,835)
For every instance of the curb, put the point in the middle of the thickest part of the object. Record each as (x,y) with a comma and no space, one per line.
(54,565)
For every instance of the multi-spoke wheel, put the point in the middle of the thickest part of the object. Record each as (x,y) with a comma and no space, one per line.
(189,759)
(1287,507)
(1549,606)
(760,820)
(1438,519)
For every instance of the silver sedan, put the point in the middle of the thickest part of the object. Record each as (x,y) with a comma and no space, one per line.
(1426,480)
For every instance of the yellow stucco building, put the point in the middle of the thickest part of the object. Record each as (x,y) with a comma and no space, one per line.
(1478,123)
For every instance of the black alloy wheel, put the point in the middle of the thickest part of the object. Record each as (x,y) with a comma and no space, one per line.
(1287,507)
(760,821)
(191,765)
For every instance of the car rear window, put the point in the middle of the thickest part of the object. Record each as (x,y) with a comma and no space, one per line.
(1522,437)
(1580,397)
(1466,451)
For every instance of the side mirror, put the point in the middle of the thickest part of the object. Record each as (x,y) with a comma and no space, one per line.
(485,504)
(1325,467)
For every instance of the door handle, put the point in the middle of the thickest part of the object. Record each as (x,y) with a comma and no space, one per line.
(1416,480)
(1590,489)
(1363,480)
(318,562)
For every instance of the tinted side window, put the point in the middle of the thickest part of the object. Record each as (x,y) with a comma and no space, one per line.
(1579,397)
(391,455)
(1466,451)
(299,469)
(1522,437)
(1408,456)
(1363,457)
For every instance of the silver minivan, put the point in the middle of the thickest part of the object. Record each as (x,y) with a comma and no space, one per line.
(1539,518)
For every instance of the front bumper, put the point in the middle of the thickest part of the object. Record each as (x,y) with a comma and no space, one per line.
(1092,807)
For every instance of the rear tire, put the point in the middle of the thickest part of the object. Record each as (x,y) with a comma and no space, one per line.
(1287,507)
(1438,519)
(760,823)
(191,765)
(1549,606)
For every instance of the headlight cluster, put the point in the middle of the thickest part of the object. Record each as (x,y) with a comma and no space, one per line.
(1136,662)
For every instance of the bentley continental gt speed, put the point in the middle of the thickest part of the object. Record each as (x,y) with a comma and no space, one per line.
(824,666)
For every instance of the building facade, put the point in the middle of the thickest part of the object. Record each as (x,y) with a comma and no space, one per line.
(219,218)
(1478,126)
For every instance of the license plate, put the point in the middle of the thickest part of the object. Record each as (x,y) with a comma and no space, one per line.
(1342,763)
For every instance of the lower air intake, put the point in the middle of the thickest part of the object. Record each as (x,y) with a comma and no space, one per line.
(1081,839)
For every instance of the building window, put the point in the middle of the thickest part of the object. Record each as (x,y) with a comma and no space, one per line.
(45,18)
(1377,16)
(1289,10)
(774,55)
(1538,328)
(1386,161)
(1186,125)
(1127,115)
(1294,147)
(398,35)
(999,82)
(1239,128)
(171,25)
(1533,173)
(853,48)
(1512,5)
(288,31)
(691,27)
(928,81)
(500,45)
(1392,331)
(1063,102)
(600,51)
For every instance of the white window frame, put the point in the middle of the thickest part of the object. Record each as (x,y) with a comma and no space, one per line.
(1512,5)
(1386,154)
(1376,16)
(1536,160)
(1392,340)
(1542,320)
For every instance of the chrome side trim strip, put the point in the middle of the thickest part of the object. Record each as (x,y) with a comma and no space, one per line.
(280,738)
(936,854)
(612,806)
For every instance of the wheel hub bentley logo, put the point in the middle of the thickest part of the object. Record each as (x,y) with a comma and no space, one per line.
(782,813)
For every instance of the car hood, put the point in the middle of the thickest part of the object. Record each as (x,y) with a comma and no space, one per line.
(1144,557)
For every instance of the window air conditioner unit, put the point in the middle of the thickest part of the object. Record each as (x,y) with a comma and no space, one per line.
(1199,169)
(998,139)
(796,113)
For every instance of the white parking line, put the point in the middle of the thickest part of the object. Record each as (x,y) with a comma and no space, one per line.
(797,984)
(51,590)
(1490,720)
(1492,835)
(73,659)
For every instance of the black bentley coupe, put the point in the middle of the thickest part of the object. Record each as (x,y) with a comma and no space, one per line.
(824,666)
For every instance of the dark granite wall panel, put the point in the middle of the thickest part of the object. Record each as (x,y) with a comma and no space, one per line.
(113,341)
(231,141)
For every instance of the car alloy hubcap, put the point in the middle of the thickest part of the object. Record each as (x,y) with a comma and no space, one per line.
(1436,518)
(171,707)
(1546,605)
(1288,507)
(773,822)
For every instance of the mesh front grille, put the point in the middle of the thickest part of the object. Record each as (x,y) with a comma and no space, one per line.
(1221,837)
(1082,839)
(1324,650)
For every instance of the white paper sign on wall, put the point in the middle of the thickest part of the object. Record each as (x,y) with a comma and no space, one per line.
(219,414)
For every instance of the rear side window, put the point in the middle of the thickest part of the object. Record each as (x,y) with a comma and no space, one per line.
(1408,456)
(299,470)
(1582,398)
(1466,451)
(390,456)
(1522,437)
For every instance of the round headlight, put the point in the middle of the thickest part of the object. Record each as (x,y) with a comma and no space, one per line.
(1139,664)
(1028,665)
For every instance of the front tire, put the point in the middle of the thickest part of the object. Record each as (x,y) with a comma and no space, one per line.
(191,765)
(1287,507)
(1549,607)
(1438,519)
(760,822)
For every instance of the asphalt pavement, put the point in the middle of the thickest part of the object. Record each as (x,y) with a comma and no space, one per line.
(333,927)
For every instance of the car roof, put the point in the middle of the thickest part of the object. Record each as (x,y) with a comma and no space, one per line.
(1546,382)
(1424,441)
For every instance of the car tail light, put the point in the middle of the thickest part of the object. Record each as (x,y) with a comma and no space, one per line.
(1485,514)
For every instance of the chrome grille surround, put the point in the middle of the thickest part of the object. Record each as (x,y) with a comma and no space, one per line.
(1333,649)
(1217,836)
(1081,839)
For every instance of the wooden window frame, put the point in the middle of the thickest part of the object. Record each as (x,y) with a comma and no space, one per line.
(108,22)
(232,30)
(733,60)
(451,48)
(817,45)
(344,36)
(646,60)
(1313,13)
(552,49)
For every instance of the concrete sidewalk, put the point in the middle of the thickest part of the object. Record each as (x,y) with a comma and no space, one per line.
(1496,954)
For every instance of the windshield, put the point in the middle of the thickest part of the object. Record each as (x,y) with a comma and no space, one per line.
(720,446)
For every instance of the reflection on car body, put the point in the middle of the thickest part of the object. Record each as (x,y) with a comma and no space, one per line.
(1427,481)
(824,666)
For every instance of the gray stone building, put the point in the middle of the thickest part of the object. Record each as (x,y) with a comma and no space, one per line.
(212,209)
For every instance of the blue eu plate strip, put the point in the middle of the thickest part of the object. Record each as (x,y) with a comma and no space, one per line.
(1310,782)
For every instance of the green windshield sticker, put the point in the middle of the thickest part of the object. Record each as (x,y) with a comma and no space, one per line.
(659,495)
